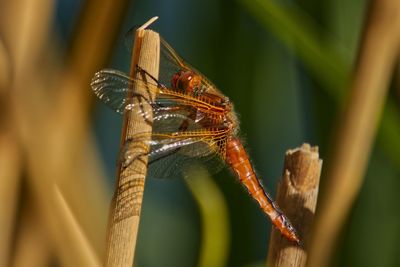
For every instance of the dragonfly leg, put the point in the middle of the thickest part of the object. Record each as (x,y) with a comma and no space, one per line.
(143,112)
(142,71)
(131,151)
(182,128)
(141,96)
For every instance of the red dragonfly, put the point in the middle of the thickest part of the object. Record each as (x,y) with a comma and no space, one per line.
(192,121)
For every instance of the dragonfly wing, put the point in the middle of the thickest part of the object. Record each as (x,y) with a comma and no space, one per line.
(172,154)
(170,109)
(113,87)
(171,63)
(174,158)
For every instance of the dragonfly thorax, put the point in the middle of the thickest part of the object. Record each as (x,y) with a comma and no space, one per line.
(232,121)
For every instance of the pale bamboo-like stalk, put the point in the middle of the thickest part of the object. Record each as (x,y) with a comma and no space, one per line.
(297,196)
(357,127)
(127,202)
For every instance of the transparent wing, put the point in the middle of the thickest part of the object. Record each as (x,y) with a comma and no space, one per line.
(113,87)
(188,127)
(173,153)
(171,63)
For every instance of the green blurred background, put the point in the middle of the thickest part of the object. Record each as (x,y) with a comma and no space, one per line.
(281,102)
(286,66)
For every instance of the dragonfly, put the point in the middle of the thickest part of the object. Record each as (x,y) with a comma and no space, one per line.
(192,121)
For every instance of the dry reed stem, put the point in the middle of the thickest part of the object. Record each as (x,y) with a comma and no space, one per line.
(9,160)
(33,244)
(297,196)
(22,41)
(10,164)
(357,129)
(5,67)
(75,231)
(53,131)
(127,201)
(93,42)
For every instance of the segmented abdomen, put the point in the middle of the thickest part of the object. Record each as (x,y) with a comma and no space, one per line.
(237,159)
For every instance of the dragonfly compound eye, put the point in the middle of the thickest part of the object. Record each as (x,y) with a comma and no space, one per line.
(187,81)
(175,79)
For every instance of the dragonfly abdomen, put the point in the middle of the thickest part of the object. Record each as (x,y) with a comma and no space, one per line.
(237,159)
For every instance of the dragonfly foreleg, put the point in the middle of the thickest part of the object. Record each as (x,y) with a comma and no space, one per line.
(144,72)
(141,96)
(182,128)
(132,150)
(143,112)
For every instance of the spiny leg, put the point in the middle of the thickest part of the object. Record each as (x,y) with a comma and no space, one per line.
(146,98)
(132,150)
(143,113)
(182,128)
(143,71)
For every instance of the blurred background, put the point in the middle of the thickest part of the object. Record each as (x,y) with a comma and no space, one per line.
(290,68)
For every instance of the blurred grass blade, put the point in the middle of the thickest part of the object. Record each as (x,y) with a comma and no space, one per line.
(389,132)
(297,31)
(74,230)
(214,217)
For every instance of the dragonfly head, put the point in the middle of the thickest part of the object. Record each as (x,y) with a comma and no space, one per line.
(187,81)
(175,78)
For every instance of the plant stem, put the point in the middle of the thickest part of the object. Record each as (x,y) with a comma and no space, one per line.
(127,201)
(358,126)
(297,196)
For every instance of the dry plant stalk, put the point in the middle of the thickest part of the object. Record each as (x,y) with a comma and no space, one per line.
(127,201)
(30,252)
(297,196)
(50,130)
(10,166)
(94,37)
(74,228)
(93,41)
(378,54)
